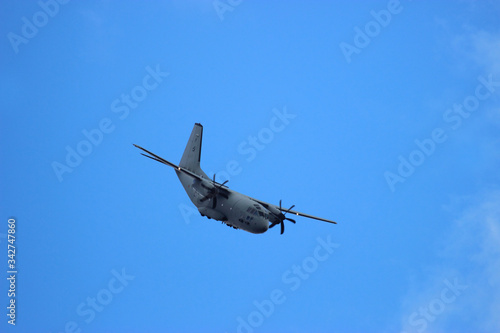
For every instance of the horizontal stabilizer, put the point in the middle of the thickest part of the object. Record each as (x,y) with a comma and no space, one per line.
(164,161)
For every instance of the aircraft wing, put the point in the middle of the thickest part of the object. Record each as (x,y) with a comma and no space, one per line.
(164,161)
(294,212)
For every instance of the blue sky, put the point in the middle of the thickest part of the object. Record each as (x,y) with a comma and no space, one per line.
(381,115)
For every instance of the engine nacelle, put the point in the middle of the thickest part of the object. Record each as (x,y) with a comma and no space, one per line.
(275,213)
(207,184)
(274,210)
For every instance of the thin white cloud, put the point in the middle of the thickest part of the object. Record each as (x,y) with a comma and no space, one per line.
(479,46)
(464,290)
(486,52)
(478,50)
(460,291)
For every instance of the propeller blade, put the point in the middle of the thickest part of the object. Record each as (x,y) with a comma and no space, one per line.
(281,217)
(214,203)
(289,209)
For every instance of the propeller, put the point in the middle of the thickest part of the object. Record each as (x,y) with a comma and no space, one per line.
(281,217)
(213,192)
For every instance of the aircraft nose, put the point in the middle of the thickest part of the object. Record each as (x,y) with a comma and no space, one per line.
(261,227)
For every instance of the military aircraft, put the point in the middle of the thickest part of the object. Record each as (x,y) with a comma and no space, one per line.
(216,201)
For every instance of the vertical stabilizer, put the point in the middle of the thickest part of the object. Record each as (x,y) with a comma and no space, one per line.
(191,158)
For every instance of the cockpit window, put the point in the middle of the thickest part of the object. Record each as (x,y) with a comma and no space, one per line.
(255,212)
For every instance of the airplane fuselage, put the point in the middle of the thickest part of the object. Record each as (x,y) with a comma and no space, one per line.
(237,210)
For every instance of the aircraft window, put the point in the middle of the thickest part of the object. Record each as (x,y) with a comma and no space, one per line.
(261,214)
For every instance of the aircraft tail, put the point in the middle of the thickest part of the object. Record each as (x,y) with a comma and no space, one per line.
(191,158)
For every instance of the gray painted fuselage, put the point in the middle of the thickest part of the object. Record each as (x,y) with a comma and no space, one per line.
(238,210)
